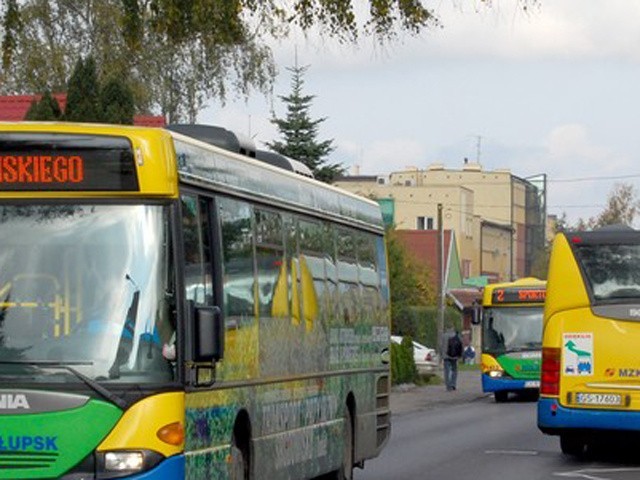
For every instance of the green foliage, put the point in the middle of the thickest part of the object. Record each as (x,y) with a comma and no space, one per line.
(46,109)
(11,25)
(403,367)
(83,93)
(410,284)
(116,102)
(300,132)
(184,52)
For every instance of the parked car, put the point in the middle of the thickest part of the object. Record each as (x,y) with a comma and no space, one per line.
(425,358)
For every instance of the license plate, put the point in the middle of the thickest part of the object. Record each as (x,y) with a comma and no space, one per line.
(598,399)
(532,384)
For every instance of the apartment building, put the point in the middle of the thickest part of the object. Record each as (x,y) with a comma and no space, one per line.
(499,219)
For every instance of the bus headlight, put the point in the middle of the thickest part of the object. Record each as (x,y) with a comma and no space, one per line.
(123,461)
(495,373)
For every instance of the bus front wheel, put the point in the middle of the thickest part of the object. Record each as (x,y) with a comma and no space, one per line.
(572,445)
(346,471)
(239,462)
(501,396)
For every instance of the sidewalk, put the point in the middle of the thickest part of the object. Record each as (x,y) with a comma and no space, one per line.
(408,398)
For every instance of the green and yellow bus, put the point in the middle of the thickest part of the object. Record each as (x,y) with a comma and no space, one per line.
(590,363)
(512,337)
(172,309)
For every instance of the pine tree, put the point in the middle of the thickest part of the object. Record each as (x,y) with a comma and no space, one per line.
(83,93)
(47,108)
(116,102)
(299,132)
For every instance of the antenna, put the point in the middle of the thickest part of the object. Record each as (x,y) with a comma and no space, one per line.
(478,147)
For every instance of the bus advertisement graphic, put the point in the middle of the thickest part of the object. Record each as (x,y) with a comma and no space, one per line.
(577,353)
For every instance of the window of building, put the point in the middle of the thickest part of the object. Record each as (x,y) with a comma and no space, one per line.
(424,223)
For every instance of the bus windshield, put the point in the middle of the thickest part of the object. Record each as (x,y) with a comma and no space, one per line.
(512,329)
(612,271)
(85,286)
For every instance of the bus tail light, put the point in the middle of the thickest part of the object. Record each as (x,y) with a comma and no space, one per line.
(550,378)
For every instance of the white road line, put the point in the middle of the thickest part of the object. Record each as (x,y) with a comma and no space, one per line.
(511,452)
(592,473)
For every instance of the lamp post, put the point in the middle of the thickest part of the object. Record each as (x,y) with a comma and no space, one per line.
(440,323)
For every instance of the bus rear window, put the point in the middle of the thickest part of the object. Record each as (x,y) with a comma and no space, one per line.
(62,162)
(612,271)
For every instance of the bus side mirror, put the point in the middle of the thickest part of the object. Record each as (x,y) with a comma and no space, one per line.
(209,334)
(476,315)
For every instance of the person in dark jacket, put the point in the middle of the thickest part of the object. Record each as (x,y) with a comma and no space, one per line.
(452,352)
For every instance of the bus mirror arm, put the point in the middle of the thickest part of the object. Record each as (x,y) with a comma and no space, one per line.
(476,314)
(209,333)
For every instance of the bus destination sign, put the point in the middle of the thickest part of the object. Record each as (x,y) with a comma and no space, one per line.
(66,162)
(518,295)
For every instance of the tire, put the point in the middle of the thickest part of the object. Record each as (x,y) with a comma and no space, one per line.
(346,471)
(239,463)
(573,445)
(501,396)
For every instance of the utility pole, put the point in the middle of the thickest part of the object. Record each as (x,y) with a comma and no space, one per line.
(441,293)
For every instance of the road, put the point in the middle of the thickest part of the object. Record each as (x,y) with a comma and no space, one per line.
(482,440)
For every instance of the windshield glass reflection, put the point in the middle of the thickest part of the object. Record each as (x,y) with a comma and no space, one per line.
(512,329)
(612,271)
(84,285)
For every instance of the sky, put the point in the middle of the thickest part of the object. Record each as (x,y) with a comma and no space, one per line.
(554,91)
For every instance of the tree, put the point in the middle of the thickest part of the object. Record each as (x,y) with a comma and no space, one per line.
(47,109)
(182,53)
(409,284)
(83,102)
(116,102)
(622,207)
(300,132)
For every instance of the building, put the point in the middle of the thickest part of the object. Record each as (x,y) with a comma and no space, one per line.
(13,108)
(499,219)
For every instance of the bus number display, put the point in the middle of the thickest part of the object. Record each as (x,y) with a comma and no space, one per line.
(58,162)
(518,295)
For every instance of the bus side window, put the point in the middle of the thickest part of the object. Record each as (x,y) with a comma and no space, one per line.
(197,250)
(350,295)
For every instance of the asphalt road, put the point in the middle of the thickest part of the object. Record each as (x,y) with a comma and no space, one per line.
(483,440)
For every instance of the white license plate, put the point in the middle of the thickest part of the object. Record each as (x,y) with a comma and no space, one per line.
(598,399)
(532,384)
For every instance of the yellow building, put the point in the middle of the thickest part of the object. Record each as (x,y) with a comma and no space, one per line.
(498,218)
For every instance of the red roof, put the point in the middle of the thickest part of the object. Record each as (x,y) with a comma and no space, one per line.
(13,108)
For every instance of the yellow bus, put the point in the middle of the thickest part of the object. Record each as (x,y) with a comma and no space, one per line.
(590,362)
(512,337)
(173,309)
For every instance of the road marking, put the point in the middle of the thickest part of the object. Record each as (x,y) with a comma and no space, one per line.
(511,452)
(587,473)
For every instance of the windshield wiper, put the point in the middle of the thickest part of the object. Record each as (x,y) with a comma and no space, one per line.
(95,386)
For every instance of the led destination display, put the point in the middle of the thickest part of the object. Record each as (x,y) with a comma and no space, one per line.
(34,161)
(518,295)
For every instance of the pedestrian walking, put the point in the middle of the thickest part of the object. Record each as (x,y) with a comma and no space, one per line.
(452,353)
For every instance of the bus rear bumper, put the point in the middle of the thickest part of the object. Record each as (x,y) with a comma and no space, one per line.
(554,419)
(507,384)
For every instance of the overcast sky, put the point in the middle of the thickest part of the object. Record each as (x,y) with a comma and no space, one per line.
(555,91)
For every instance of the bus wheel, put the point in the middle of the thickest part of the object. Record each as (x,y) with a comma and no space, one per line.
(239,463)
(572,445)
(346,471)
(501,396)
